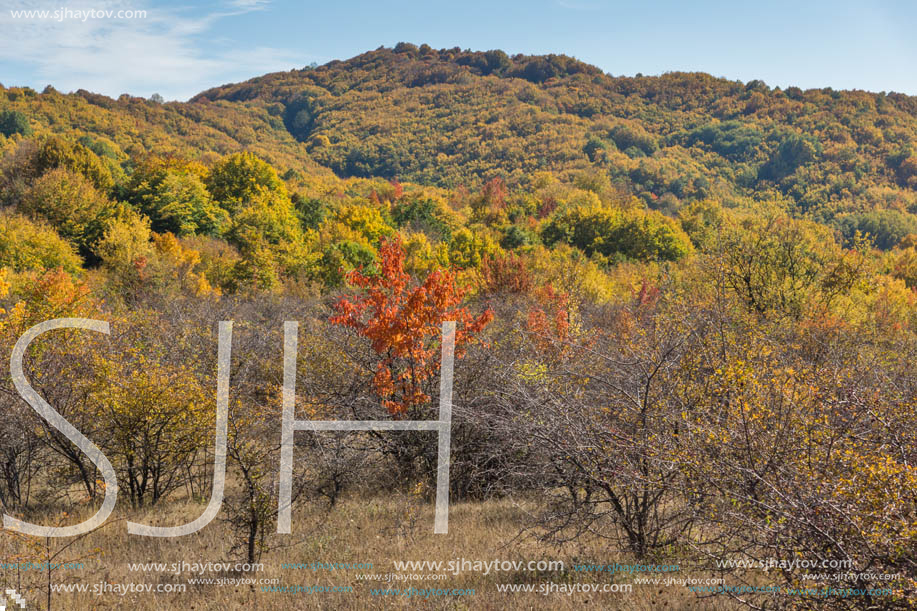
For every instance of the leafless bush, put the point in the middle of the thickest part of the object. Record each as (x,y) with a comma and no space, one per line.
(600,425)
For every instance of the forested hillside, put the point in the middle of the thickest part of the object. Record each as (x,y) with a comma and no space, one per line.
(452,118)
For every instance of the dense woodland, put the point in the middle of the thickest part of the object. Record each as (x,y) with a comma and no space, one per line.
(687,306)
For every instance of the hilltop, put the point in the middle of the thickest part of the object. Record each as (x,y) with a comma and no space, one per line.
(451,117)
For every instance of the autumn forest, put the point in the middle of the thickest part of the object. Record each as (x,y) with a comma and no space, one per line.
(686,317)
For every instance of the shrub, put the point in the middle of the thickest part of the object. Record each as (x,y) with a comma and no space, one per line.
(27,245)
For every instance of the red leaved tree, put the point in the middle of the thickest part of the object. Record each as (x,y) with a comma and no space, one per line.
(506,274)
(403,321)
(549,322)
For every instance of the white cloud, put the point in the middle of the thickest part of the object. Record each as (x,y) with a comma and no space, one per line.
(165,52)
(250,4)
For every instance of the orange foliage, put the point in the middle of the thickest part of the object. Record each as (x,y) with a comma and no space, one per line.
(506,273)
(551,327)
(403,320)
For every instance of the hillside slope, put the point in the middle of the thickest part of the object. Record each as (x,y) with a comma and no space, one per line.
(451,118)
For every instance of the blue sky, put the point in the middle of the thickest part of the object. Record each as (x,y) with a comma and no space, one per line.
(184,47)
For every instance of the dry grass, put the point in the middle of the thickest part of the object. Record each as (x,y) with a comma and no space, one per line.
(379,530)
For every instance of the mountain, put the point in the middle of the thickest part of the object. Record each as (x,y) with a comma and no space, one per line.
(454,117)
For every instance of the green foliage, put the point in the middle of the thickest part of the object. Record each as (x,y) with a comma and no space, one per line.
(595,149)
(451,117)
(298,117)
(100,146)
(264,226)
(341,257)
(171,192)
(515,237)
(688,145)
(490,62)
(770,361)
(650,236)
(615,234)
(884,228)
(14,122)
(311,211)
(427,214)
(731,139)
(633,137)
(793,151)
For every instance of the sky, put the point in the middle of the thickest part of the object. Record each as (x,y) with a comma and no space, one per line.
(180,48)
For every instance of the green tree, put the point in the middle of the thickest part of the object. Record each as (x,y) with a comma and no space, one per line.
(14,122)
(172,193)
(612,233)
(264,224)
(884,228)
(595,149)
(310,210)
(793,151)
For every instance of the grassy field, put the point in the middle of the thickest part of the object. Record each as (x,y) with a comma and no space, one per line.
(380,530)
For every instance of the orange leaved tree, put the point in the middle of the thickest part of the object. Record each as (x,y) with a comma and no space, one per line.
(403,320)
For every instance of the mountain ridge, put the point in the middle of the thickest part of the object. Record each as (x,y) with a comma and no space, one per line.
(453,117)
